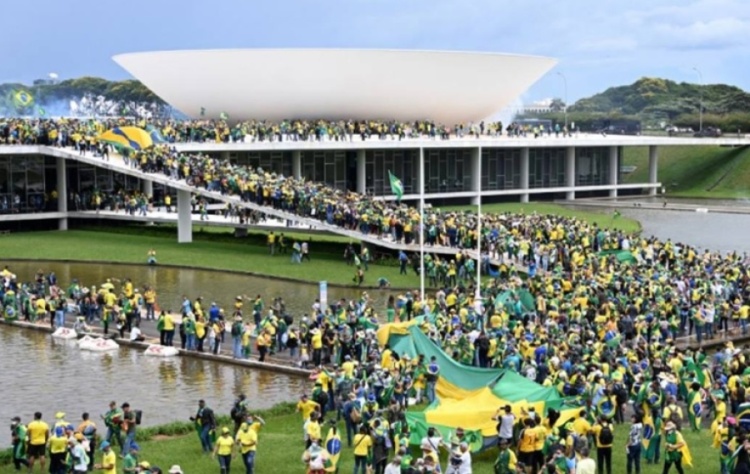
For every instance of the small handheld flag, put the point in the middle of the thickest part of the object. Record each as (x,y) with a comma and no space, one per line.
(396,187)
(203,111)
(223,116)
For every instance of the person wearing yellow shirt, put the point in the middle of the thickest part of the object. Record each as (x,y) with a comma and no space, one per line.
(581,426)
(362,444)
(247,440)
(38,435)
(306,407)
(312,430)
(264,343)
(109,459)
(200,332)
(603,433)
(223,449)
(527,442)
(316,340)
(348,367)
(149,297)
(386,358)
(58,449)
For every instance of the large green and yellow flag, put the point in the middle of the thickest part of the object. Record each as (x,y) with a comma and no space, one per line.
(22,99)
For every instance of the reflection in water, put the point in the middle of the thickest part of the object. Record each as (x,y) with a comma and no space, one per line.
(172,283)
(40,373)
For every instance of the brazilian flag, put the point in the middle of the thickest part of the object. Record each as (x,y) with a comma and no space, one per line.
(333,447)
(694,408)
(22,99)
(651,435)
(223,116)
(743,415)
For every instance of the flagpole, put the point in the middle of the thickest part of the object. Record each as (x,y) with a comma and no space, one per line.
(421,224)
(478,295)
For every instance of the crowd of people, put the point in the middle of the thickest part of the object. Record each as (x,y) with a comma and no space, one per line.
(83,132)
(63,447)
(603,316)
(602,332)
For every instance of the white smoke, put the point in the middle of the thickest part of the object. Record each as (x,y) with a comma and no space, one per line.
(508,113)
(91,106)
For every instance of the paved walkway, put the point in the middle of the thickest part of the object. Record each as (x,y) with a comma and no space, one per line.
(665,205)
(116,163)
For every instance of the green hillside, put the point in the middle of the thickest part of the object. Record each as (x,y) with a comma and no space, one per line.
(695,171)
(656,102)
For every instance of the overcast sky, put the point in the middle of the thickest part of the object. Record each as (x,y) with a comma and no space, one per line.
(598,44)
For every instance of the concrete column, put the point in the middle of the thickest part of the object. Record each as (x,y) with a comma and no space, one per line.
(147,187)
(614,168)
(476,175)
(184,217)
(570,172)
(297,164)
(524,173)
(62,192)
(653,166)
(361,172)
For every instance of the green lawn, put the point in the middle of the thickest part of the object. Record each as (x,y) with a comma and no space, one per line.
(604,219)
(695,171)
(206,251)
(281,446)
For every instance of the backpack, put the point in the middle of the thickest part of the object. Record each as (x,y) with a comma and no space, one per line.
(237,329)
(355,415)
(238,412)
(605,435)
(674,417)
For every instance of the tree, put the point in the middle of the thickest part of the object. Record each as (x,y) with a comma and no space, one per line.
(557,105)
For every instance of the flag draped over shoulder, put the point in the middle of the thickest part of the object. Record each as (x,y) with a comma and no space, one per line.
(651,435)
(396,187)
(694,408)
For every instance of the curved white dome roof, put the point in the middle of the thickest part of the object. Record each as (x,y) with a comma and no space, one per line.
(276,84)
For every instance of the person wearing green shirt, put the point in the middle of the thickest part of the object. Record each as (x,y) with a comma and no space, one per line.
(506,459)
(112,420)
(18,436)
(130,463)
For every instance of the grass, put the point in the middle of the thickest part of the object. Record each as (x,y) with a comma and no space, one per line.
(280,449)
(217,248)
(695,171)
(604,219)
(207,250)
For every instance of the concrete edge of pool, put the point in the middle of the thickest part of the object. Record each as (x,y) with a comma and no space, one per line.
(250,364)
(207,269)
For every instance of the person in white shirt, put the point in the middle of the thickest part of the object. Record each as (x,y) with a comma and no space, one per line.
(80,458)
(136,335)
(506,422)
(393,467)
(585,464)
